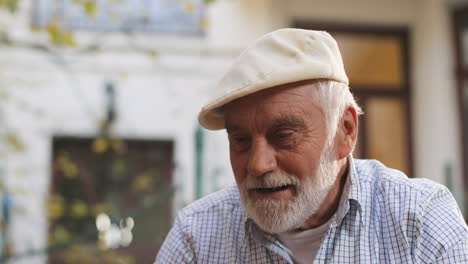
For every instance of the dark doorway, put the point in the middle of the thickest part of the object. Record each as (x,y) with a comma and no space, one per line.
(110,199)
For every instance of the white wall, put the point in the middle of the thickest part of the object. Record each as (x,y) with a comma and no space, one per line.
(435,106)
(239,22)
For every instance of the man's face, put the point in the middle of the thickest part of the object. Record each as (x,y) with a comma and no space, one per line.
(280,154)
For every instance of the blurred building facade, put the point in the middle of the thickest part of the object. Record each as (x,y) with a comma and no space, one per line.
(160,80)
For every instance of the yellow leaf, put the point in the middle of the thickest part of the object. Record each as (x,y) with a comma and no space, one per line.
(143,182)
(100,145)
(69,39)
(55,211)
(55,207)
(69,169)
(90,8)
(54,32)
(79,209)
(189,7)
(99,208)
(204,23)
(153,53)
(61,235)
(14,142)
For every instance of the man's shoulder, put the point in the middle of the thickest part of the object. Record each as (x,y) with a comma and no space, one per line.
(217,202)
(208,230)
(381,184)
(381,178)
(419,211)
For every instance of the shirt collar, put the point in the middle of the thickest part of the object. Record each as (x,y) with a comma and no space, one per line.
(355,193)
(351,196)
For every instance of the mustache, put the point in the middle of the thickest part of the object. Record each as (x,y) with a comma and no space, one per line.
(271,180)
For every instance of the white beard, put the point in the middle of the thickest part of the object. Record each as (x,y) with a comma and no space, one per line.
(277,215)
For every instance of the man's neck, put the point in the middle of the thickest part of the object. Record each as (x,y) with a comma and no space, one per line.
(331,201)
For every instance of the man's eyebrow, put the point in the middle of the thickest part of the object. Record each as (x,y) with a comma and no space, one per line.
(291,121)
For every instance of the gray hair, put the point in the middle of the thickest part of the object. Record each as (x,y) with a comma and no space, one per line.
(334,97)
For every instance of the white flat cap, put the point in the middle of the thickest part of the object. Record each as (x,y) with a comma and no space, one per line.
(280,57)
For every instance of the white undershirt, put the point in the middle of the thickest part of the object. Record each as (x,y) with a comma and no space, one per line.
(304,244)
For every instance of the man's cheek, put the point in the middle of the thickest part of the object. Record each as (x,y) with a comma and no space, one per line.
(239,174)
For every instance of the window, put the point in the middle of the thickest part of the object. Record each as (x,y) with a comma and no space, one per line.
(376,62)
(161,16)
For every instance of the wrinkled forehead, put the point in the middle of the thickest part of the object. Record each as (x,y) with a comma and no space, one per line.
(302,91)
(290,105)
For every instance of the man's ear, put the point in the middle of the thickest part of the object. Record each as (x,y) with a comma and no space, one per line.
(347,133)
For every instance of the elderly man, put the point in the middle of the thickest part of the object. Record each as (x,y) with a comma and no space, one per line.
(292,124)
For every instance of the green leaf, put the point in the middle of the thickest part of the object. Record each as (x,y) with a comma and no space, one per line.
(10,5)
(209,1)
(153,53)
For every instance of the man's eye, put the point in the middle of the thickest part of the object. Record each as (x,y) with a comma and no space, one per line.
(239,143)
(284,134)
(241,139)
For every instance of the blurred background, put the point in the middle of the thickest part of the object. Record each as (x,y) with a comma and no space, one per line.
(99,140)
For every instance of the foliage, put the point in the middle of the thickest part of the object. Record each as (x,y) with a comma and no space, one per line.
(70,242)
(10,5)
(61,36)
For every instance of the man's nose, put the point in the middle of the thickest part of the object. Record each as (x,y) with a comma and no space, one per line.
(262,158)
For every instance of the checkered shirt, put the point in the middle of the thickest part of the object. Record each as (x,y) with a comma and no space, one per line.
(386,218)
